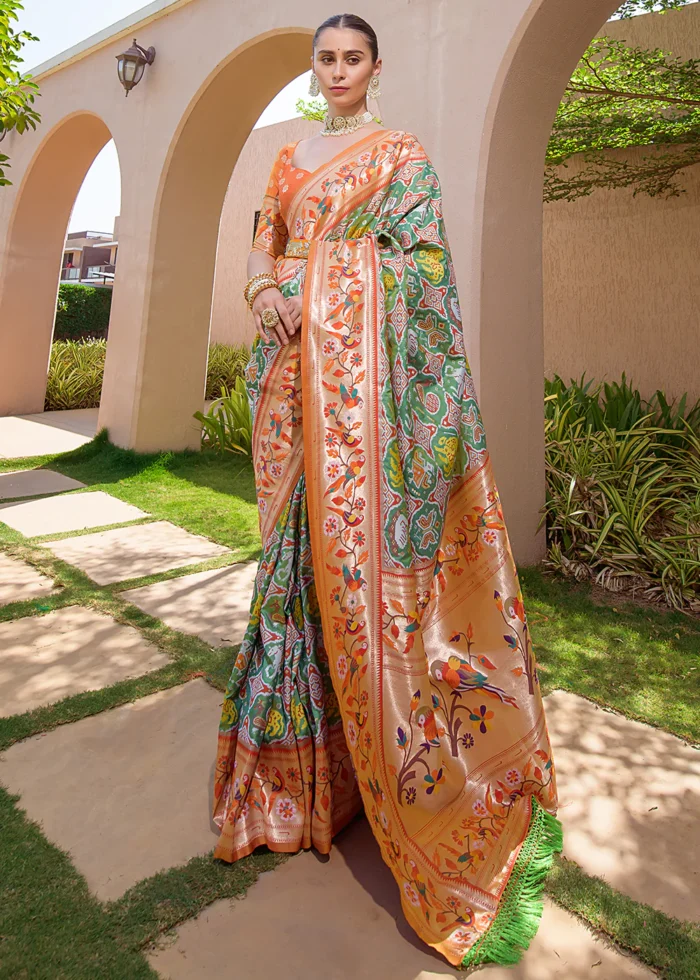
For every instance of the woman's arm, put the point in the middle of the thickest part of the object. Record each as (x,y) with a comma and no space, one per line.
(270,240)
(259,261)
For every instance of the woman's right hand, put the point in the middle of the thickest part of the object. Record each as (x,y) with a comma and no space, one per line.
(272,298)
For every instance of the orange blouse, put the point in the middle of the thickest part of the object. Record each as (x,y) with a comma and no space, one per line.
(271,234)
(289,180)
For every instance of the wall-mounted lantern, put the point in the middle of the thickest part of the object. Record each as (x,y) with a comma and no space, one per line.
(131,63)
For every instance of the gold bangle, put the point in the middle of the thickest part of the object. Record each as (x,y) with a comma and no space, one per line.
(258,287)
(257,278)
(263,280)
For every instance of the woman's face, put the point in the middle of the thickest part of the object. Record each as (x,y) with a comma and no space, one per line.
(343,65)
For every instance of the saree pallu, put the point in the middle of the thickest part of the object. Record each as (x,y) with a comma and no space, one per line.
(387,574)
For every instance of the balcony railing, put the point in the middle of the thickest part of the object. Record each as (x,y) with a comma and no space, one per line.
(72,273)
(103,272)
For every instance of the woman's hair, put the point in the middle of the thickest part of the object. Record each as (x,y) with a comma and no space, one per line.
(353,23)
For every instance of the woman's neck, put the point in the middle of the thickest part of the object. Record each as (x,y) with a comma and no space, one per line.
(355,110)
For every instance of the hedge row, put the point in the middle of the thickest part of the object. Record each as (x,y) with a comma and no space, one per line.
(82,312)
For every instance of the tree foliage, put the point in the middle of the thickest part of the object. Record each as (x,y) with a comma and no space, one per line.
(619,97)
(630,8)
(314,110)
(17,91)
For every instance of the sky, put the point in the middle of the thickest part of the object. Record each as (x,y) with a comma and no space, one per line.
(59,27)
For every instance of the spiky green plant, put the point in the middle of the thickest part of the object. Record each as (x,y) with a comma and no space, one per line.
(77,366)
(227,425)
(226,363)
(623,499)
(75,374)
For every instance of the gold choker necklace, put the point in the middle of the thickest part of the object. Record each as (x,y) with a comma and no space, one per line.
(338,125)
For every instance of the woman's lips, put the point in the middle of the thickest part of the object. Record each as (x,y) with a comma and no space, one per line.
(338,88)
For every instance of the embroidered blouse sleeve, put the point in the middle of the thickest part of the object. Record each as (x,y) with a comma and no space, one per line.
(271,232)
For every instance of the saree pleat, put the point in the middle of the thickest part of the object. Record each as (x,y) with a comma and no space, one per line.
(413,614)
(283,769)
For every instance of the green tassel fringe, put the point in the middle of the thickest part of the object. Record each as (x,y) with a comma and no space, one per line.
(518,917)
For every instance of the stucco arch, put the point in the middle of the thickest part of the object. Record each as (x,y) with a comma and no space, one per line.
(167,384)
(507,344)
(29,276)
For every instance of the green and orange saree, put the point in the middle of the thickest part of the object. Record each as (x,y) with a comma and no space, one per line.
(388,662)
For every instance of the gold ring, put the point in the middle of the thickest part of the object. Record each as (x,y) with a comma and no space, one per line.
(270,317)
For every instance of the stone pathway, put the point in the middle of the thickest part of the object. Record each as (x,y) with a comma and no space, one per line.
(127,792)
(46,432)
(213,605)
(339,918)
(132,552)
(32,483)
(19,581)
(629,801)
(68,512)
(46,658)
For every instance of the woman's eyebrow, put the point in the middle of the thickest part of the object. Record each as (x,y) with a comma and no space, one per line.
(344,52)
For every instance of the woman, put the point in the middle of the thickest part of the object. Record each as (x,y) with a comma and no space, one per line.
(387,663)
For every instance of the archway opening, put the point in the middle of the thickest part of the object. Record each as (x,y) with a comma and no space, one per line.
(510,344)
(154,385)
(36,260)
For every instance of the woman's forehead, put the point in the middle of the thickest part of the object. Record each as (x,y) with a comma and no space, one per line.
(343,39)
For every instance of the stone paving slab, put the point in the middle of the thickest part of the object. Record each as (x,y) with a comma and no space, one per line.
(31,483)
(214,605)
(340,919)
(46,658)
(130,552)
(37,435)
(70,512)
(126,792)
(20,581)
(49,432)
(629,800)
(79,420)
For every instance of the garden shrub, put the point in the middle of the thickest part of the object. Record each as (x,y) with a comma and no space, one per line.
(623,490)
(226,363)
(228,424)
(77,366)
(75,374)
(82,312)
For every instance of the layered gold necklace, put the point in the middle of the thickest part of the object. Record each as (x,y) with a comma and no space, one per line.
(339,125)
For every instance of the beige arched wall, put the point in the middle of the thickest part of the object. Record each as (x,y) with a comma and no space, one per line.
(542,54)
(164,385)
(29,269)
(478,82)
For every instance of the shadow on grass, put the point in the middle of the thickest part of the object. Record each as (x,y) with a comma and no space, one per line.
(100,461)
(641,661)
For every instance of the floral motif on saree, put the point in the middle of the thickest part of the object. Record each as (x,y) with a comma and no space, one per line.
(402,598)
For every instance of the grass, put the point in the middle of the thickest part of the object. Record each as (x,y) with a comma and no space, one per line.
(642,661)
(206,493)
(52,928)
(669,946)
(639,660)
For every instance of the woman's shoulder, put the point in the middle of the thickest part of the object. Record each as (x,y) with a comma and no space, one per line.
(406,139)
(408,146)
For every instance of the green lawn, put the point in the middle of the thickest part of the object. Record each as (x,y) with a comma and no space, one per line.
(638,660)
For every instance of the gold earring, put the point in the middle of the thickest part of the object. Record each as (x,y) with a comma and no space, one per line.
(314,87)
(373,90)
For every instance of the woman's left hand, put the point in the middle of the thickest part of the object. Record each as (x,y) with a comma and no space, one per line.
(294,305)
